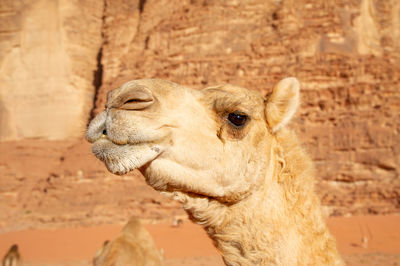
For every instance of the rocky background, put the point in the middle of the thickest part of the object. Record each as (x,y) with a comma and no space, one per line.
(59,58)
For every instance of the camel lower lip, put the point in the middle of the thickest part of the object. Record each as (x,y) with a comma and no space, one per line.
(121,159)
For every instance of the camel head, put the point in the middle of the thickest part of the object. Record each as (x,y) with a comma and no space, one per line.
(213,142)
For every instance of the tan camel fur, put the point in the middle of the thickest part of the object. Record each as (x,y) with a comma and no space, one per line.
(12,258)
(224,152)
(133,247)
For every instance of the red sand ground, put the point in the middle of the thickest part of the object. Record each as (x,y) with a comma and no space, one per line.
(189,244)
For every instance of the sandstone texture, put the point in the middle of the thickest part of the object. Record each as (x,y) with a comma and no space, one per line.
(58,59)
(345,53)
(48,52)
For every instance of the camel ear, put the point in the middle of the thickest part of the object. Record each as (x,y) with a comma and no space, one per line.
(282,103)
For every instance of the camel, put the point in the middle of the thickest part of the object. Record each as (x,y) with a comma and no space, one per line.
(133,247)
(227,154)
(12,258)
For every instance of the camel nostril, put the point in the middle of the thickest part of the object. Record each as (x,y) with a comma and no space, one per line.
(138,101)
(136,104)
(130,96)
(135,98)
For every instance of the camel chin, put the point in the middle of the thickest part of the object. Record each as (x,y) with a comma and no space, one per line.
(121,159)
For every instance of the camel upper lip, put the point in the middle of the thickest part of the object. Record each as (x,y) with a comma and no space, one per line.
(119,143)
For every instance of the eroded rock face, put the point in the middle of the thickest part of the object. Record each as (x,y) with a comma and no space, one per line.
(346,55)
(48,54)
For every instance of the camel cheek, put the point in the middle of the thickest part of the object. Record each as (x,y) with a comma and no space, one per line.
(258,137)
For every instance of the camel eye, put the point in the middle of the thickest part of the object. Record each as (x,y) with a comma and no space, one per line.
(237,119)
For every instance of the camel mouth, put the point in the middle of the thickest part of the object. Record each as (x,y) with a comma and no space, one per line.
(121,159)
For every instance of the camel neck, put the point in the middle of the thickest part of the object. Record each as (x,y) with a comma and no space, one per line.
(261,235)
(263,230)
(280,223)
